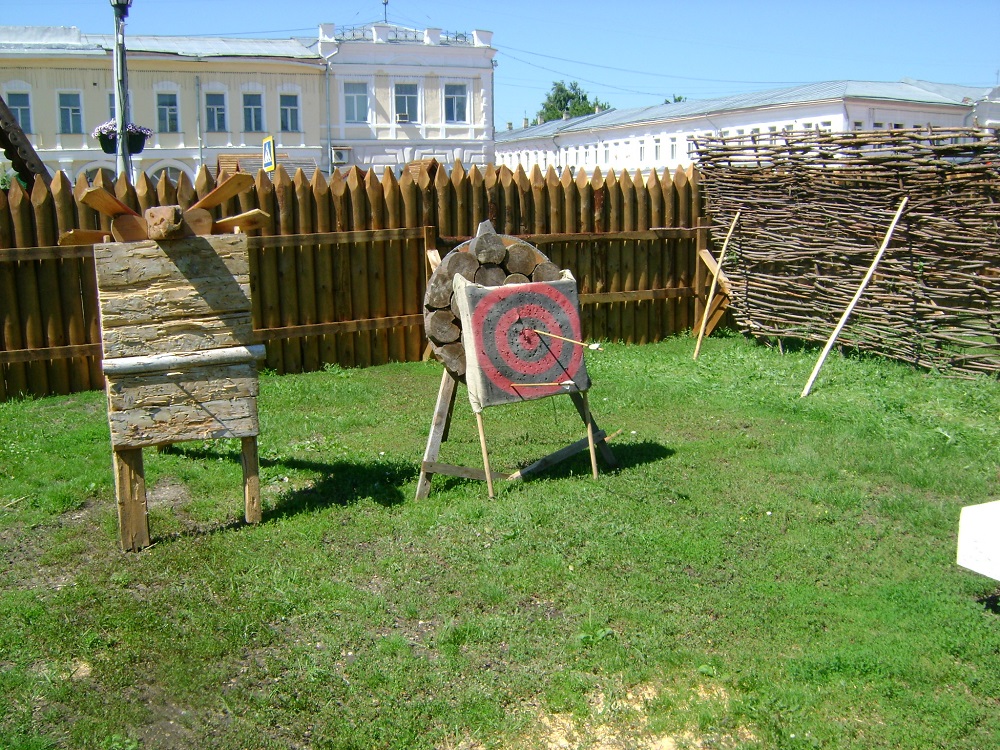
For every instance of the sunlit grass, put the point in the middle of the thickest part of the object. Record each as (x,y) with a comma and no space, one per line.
(763,571)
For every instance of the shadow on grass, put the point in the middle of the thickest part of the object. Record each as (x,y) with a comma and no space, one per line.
(629,455)
(991,603)
(340,483)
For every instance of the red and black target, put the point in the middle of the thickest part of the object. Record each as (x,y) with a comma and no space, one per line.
(509,329)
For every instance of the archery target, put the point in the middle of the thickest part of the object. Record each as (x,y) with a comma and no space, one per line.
(510,354)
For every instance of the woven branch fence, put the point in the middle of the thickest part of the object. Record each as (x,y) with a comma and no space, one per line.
(814,210)
(357,300)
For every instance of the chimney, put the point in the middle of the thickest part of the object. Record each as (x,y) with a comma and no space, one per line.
(566,115)
(525,123)
(510,126)
(597,109)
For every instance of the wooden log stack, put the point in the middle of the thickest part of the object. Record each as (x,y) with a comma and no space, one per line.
(489,259)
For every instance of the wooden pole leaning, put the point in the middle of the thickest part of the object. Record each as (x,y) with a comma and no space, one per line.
(715,283)
(854,300)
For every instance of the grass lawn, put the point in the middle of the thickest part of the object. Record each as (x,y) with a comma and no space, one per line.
(764,571)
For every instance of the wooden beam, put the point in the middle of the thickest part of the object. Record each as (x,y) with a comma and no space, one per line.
(335,238)
(50,352)
(344,326)
(163,362)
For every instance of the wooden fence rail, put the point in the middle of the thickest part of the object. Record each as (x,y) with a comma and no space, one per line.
(338,273)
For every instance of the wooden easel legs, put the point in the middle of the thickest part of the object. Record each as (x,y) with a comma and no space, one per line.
(486,453)
(595,440)
(130,489)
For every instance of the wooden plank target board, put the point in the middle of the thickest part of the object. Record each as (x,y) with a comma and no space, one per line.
(179,358)
(504,319)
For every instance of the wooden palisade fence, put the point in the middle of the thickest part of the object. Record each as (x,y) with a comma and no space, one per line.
(357,300)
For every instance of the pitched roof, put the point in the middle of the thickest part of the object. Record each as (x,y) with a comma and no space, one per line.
(907,90)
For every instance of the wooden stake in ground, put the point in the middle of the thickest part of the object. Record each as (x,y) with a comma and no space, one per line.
(854,301)
(715,283)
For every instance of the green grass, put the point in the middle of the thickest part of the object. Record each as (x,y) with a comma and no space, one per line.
(764,571)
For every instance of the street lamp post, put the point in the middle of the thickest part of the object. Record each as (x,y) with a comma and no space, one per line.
(124,164)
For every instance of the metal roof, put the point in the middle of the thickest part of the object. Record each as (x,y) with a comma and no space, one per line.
(70,41)
(907,90)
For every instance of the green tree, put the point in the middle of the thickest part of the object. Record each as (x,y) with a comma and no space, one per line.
(676,98)
(572,99)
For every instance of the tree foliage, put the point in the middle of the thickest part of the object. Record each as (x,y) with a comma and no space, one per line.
(572,99)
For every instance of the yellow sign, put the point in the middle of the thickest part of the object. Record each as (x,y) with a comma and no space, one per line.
(268,154)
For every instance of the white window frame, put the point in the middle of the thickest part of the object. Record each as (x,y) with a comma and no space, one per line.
(415,96)
(79,108)
(355,96)
(226,121)
(290,91)
(464,99)
(17,87)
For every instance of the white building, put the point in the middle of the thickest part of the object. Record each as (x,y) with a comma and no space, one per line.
(662,137)
(376,95)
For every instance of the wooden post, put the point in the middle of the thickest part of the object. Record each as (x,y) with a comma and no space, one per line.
(324,287)
(130,488)
(439,426)
(251,479)
(413,265)
(378,295)
(854,300)
(360,270)
(715,282)
(342,302)
(590,433)
(306,270)
(395,260)
(486,454)
(284,192)
(28,288)
(10,317)
(270,306)
(69,283)
(654,191)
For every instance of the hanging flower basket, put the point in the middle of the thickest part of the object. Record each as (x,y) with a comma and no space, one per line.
(135,135)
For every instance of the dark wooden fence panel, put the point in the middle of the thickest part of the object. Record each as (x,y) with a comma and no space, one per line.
(635,277)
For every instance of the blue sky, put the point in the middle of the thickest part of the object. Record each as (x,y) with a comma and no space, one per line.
(629,54)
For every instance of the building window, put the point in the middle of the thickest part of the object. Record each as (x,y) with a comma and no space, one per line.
(878,125)
(167,120)
(807,126)
(642,151)
(858,125)
(826,124)
(673,148)
(288,105)
(356,102)
(20,105)
(656,149)
(455,100)
(406,102)
(70,113)
(898,125)
(111,106)
(253,113)
(171,173)
(215,113)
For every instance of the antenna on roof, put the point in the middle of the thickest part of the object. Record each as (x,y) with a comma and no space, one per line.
(385,11)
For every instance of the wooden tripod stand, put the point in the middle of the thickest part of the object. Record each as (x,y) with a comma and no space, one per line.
(596,440)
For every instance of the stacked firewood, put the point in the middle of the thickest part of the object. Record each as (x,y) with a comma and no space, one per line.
(488,259)
(814,209)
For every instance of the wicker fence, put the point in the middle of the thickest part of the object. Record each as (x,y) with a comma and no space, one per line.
(813,210)
(334,278)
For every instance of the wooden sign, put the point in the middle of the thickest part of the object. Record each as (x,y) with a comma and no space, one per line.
(179,357)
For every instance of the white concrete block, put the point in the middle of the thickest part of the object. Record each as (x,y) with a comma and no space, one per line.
(979,539)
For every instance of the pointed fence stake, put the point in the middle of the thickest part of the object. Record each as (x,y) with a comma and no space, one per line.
(854,301)
(715,282)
